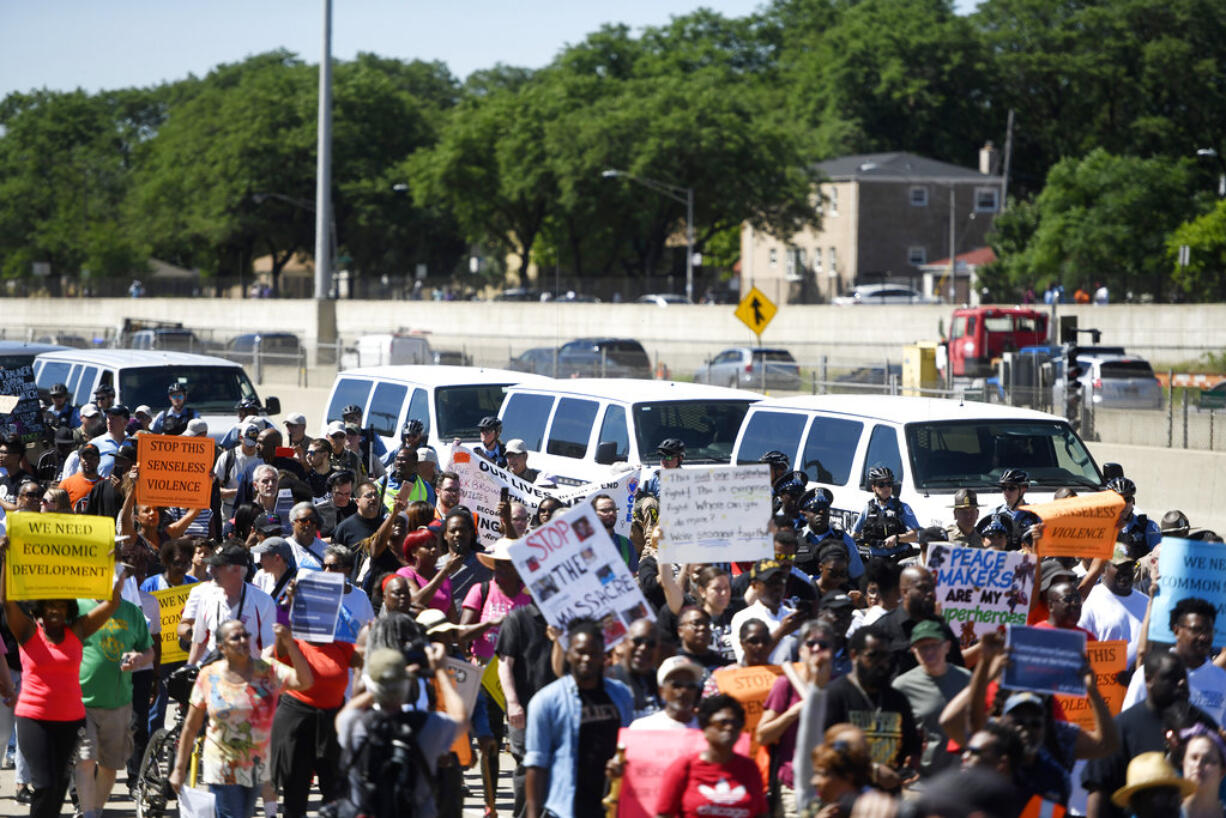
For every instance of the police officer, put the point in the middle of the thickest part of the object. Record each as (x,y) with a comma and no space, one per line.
(178,397)
(491,448)
(995,531)
(966,512)
(778,462)
(818,532)
(61,414)
(1138,532)
(403,477)
(104,397)
(672,454)
(886,526)
(371,445)
(788,490)
(248,411)
(412,436)
(1013,484)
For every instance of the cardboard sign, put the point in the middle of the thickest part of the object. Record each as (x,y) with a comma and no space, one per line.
(1189,568)
(170,607)
(979,590)
(60,556)
(23,414)
(175,470)
(715,514)
(749,686)
(493,685)
(1109,659)
(648,754)
(1084,526)
(572,569)
(467,679)
(317,604)
(482,482)
(1045,660)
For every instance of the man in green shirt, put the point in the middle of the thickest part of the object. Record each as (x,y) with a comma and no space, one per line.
(108,658)
(928,687)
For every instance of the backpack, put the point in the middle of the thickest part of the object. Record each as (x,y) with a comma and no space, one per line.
(390,765)
(228,465)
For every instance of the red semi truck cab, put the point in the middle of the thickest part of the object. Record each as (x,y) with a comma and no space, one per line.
(980,334)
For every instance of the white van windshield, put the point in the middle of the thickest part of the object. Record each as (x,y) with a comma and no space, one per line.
(211,389)
(708,428)
(461,408)
(975,453)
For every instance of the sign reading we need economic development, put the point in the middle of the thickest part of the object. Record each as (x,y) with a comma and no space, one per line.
(60,556)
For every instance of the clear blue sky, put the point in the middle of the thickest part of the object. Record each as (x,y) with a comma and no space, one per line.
(96,44)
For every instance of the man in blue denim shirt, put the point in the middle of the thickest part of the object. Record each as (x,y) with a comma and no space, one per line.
(572,731)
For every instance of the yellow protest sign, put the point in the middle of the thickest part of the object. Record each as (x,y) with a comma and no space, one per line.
(60,556)
(170,606)
(174,470)
(493,685)
(1083,527)
(1108,659)
(756,310)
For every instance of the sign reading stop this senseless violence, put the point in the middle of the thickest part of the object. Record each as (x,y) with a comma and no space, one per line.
(60,556)
(174,470)
(1082,527)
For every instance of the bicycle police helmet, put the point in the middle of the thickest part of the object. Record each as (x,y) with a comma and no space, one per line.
(818,499)
(1122,486)
(351,409)
(670,447)
(880,474)
(774,458)
(57,390)
(247,405)
(104,389)
(489,422)
(1014,477)
(412,428)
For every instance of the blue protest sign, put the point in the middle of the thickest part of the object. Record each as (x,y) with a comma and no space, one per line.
(1189,568)
(317,603)
(1045,660)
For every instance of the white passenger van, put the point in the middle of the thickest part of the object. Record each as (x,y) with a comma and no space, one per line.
(214,385)
(933,446)
(449,400)
(576,429)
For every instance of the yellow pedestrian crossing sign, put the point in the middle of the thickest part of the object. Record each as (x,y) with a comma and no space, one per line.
(756,310)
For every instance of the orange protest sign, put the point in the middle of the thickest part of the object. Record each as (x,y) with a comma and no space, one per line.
(1083,527)
(749,686)
(1108,659)
(174,470)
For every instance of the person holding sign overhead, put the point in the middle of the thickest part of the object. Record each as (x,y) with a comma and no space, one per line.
(50,709)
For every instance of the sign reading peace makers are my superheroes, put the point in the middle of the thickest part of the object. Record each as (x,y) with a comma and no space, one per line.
(60,556)
(979,590)
(174,470)
(573,569)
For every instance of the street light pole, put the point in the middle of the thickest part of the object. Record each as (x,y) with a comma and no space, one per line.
(685,195)
(323,172)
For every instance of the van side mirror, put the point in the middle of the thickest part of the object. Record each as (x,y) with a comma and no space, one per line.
(1111,471)
(606,453)
(272,406)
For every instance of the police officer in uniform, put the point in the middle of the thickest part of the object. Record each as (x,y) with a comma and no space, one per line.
(966,510)
(491,448)
(1138,532)
(778,462)
(61,414)
(788,490)
(995,531)
(178,396)
(887,526)
(248,411)
(371,446)
(412,436)
(403,477)
(672,455)
(818,532)
(1013,484)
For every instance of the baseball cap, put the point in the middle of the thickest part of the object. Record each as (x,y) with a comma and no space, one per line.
(836,600)
(352,429)
(385,666)
(965,498)
(426,454)
(1053,571)
(64,436)
(336,427)
(88,447)
(119,409)
(764,570)
(295,419)
(1022,698)
(127,451)
(677,664)
(269,524)
(143,409)
(274,545)
(927,629)
(516,446)
(232,554)
(1120,555)
(249,431)
(89,410)
(196,427)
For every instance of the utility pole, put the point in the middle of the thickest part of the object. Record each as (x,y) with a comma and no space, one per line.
(323,172)
(1004,187)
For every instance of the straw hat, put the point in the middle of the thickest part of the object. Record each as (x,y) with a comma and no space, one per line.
(1150,770)
(501,550)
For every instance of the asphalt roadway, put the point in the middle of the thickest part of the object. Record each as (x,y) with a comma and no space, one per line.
(121,805)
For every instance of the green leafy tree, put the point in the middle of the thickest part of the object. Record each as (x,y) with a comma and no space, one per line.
(1204,278)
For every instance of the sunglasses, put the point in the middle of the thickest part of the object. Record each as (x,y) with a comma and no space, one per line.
(883,484)
(755,640)
(639,641)
(685,685)
(333,566)
(820,644)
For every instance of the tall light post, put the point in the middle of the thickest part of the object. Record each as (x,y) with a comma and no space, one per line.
(685,195)
(323,168)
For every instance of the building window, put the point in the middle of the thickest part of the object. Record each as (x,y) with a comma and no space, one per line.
(790,272)
(834,261)
(817,260)
(987,200)
(801,259)
(832,207)
(774,258)
(917,256)
(919,196)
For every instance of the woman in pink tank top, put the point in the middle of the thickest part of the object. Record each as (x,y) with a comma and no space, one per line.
(50,713)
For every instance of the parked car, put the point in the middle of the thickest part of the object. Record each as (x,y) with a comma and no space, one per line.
(884,294)
(662,299)
(171,339)
(279,346)
(540,360)
(519,294)
(65,340)
(1119,381)
(452,357)
(603,358)
(751,368)
(870,375)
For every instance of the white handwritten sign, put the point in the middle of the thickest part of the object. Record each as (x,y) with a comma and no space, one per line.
(715,514)
(572,569)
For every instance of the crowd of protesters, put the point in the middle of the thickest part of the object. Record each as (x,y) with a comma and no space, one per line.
(873,706)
